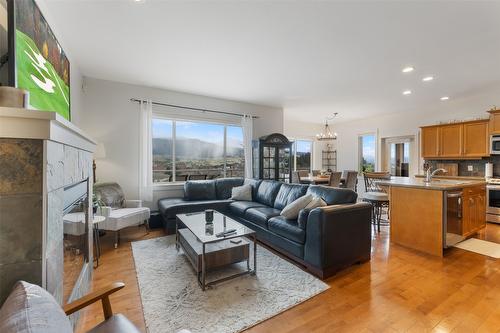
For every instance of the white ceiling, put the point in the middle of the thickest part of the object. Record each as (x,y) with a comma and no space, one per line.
(312,58)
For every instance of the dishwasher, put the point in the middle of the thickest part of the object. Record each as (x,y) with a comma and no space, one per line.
(453,219)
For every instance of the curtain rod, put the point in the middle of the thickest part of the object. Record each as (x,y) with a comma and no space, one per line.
(191,108)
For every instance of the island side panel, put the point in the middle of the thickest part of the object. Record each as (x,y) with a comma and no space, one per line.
(417,219)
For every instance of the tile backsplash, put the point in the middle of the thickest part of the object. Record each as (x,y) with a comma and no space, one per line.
(478,166)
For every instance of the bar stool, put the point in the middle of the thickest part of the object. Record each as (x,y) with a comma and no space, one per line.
(376,196)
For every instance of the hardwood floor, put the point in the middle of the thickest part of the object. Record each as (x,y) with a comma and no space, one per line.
(399,290)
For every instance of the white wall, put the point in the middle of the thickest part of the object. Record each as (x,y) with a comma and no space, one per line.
(307,131)
(408,122)
(110,118)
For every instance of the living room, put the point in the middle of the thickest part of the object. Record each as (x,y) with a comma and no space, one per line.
(284,166)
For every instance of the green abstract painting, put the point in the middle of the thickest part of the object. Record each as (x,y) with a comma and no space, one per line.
(47,90)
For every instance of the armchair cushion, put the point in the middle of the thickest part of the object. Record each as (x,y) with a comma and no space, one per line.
(124,217)
(31,309)
(117,323)
(111,194)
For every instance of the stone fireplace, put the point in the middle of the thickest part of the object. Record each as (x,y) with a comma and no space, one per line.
(45,172)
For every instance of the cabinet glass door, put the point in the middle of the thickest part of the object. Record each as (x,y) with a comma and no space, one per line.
(268,163)
(284,164)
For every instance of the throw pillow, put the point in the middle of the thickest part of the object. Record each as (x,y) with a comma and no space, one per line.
(315,203)
(242,193)
(291,211)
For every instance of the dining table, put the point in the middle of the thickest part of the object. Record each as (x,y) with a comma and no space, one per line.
(317,180)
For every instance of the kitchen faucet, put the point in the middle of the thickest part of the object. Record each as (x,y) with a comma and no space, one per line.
(429,175)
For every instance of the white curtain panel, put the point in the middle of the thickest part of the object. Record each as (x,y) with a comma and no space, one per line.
(145,151)
(247,125)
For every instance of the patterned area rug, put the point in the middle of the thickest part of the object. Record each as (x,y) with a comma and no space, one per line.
(172,299)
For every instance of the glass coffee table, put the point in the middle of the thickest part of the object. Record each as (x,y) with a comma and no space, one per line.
(206,251)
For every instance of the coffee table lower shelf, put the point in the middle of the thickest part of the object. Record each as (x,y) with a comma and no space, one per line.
(208,256)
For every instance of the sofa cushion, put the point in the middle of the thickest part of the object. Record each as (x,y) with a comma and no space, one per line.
(111,194)
(242,193)
(31,309)
(267,191)
(239,208)
(333,195)
(199,190)
(287,228)
(170,207)
(260,215)
(291,211)
(288,193)
(255,185)
(224,186)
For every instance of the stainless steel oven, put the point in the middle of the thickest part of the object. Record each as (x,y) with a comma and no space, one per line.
(493,203)
(495,145)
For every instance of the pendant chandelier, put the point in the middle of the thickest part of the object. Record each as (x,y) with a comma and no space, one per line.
(327,134)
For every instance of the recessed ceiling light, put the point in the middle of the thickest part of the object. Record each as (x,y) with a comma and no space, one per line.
(407,92)
(408,69)
(444,98)
(428,78)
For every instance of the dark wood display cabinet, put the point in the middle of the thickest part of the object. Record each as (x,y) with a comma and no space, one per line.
(272,158)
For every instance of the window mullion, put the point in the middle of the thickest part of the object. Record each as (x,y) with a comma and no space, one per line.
(225,151)
(173,149)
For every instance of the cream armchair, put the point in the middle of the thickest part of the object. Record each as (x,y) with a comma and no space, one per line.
(119,213)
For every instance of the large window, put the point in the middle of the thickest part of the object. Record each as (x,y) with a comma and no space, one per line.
(303,152)
(367,153)
(185,150)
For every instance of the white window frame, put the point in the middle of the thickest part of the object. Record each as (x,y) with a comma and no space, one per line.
(174,119)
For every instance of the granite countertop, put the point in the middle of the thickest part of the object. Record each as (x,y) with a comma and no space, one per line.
(436,184)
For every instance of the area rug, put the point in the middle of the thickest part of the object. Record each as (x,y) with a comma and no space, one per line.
(172,299)
(485,248)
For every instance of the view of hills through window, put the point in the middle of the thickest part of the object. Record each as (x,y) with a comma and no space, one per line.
(303,150)
(367,153)
(195,150)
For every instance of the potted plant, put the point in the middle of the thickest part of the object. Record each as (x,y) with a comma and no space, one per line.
(96,203)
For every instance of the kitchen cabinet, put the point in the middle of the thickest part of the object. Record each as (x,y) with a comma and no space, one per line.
(430,142)
(450,140)
(476,139)
(473,210)
(494,121)
(464,140)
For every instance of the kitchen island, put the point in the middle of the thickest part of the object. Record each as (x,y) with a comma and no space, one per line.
(429,217)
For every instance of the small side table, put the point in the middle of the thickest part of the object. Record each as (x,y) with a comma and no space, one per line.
(97,242)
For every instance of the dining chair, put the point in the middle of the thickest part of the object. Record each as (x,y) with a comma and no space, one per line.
(335,179)
(376,196)
(351,179)
(296,177)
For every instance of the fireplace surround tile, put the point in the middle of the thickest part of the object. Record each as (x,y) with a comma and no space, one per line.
(20,166)
(21,228)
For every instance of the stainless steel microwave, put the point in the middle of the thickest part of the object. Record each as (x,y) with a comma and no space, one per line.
(495,145)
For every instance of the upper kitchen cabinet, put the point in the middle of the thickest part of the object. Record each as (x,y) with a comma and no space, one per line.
(494,121)
(451,140)
(430,141)
(476,139)
(456,141)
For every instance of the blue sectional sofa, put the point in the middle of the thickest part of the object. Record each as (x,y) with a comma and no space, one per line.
(323,240)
